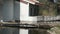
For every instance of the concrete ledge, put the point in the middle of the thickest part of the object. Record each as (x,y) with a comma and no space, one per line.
(28,22)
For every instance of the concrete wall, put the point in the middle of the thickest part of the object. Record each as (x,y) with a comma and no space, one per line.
(8,10)
(16,10)
(1,12)
(1,5)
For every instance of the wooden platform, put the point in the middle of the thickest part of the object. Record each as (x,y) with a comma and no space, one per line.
(42,25)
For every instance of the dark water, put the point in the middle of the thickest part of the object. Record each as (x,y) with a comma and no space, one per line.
(7,30)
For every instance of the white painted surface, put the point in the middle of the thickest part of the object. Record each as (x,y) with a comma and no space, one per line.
(23,31)
(24,9)
(24,13)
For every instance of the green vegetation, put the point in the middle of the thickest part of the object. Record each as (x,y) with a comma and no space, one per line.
(48,9)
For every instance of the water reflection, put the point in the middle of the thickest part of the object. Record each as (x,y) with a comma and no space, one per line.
(8,30)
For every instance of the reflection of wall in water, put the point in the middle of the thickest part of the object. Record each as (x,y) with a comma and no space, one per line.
(38,31)
(7,30)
